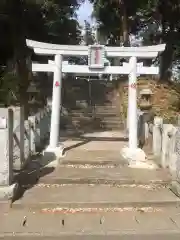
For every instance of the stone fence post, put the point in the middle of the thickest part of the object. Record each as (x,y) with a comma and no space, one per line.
(7,189)
(166,142)
(22,133)
(172,151)
(6,147)
(157,136)
(32,134)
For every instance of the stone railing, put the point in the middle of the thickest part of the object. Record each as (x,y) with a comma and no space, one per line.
(145,129)
(166,146)
(29,136)
(20,140)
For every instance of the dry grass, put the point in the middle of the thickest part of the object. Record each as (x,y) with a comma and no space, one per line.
(166,97)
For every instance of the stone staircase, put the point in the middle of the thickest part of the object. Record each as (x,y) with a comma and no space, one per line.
(90,194)
(100,111)
(97,118)
(110,117)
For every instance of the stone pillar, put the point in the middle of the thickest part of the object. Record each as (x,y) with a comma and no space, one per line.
(32,123)
(56,103)
(21,140)
(157,136)
(166,154)
(7,189)
(132,104)
(9,148)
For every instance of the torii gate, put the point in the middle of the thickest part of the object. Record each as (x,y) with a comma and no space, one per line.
(96,65)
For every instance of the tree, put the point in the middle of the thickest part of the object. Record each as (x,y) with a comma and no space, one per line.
(88,36)
(160,23)
(117,19)
(42,20)
(157,21)
(60,21)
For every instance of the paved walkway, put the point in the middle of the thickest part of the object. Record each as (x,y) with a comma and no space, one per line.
(123,236)
(112,141)
(148,222)
(93,192)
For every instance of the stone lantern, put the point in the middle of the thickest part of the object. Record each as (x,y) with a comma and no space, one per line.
(33,95)
(33,92)
(146,116)
(145,100)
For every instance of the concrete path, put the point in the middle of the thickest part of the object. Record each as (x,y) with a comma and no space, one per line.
(107,144)
(111,140)
(96,157)
(96,196)
(91,193)
(104,174)
(123,236)
(149,222)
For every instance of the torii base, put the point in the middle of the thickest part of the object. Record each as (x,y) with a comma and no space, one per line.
(137,158)
(51,155)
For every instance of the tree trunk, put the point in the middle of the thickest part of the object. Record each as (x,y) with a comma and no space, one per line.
(166,58)
(124,24)
(166,63)
(20,50)
(23,73)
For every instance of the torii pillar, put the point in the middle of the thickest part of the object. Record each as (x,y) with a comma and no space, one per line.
(56,103)
(132,153)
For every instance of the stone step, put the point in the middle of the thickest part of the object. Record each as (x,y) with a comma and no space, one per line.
(95,115)
(70,173)
(110,118)
(102,119)
(95,196)
(91,224)
(88,126)
(111,126)
(107,111)
(111,121)
(107,106)
(95,127)
(86,109)
(95,158)
(89,108)
(116,235)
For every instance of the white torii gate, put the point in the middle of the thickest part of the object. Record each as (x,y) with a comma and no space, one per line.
(97,58)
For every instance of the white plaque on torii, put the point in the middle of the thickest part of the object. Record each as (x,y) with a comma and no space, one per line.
(96,57)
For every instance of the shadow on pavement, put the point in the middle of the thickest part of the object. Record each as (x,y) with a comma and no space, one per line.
(29,176)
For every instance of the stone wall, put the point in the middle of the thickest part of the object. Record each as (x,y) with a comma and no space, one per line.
(20,140)
(166,146)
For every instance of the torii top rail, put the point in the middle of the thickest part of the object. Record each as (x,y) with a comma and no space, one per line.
(77,50)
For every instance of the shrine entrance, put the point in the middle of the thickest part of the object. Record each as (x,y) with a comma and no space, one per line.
(98,64)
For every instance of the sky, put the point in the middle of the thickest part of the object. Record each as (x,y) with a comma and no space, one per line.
(84,12)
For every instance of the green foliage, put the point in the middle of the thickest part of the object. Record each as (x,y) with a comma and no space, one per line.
(88,36)
(116,17)
(156,21)
(42,20)
(9,89)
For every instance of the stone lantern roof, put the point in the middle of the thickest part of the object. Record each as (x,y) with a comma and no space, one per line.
(146,91)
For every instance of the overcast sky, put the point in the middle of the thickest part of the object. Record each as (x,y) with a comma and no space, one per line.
(84,12)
